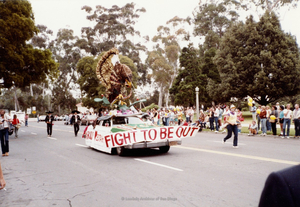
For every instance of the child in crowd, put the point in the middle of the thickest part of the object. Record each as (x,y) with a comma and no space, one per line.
(252,128)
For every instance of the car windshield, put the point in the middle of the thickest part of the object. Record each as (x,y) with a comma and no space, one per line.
(91,116)
(135,120)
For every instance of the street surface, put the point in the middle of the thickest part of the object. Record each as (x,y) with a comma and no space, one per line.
(62,171)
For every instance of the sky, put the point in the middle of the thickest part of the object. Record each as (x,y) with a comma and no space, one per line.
(56,14)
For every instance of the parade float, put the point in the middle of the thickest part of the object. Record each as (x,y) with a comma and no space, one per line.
(123,129)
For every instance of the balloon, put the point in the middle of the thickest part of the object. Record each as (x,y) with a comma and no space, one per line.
(258,111)
(249,103)
(250,100)
(272,117)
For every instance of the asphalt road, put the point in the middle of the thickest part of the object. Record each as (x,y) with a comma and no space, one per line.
(62,171)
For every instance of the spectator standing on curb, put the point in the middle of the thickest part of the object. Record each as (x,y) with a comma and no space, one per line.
(211,118)
(268,124)
(221,111)
(191,114)
(296,120)
(4,137)
(2,181)
(232,126)
(274,113)
(258,118)
(216,118)
(187,116)
(239,119)
(253,111)
(287,121)
(179,115)
(263,119)
(26,120)
(281,116)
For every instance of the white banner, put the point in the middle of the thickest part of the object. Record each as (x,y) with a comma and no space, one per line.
(151,134)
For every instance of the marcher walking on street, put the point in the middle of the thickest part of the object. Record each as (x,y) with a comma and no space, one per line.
(16,124)
(76,121)
(232,126)
(49,121)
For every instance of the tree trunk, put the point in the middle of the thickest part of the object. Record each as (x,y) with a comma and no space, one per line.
(160,95)
(31,91)
(167,99)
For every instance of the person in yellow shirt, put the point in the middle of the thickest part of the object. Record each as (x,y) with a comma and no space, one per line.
(232,126)
(179,115)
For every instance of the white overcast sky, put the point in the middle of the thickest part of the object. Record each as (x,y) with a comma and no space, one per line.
(56,14)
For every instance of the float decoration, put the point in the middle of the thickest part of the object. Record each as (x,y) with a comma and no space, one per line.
(113,77)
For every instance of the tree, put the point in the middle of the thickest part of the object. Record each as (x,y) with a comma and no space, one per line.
(114,27)
(162,72)
(259,60)
(67,55)
(271,5)
(211,22)
(167,54)
(189,78)
(20,63)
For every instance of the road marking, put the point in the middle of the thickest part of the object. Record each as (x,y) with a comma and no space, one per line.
(33,133)
(226,142)
(52,138)
(80,145)
(153,163)
(242,156)
(22,130)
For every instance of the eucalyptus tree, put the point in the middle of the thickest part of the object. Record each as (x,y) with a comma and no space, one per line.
(67,54)
(165,56)
(114,27)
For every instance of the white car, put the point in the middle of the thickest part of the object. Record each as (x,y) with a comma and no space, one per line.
(118,133)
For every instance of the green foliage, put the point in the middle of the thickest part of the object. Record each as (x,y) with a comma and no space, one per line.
(259,60)
(20,63)
(189,78)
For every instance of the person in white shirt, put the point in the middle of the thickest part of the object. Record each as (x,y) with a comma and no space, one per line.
(296,120)
(4,127)
(216,117)
(287,120)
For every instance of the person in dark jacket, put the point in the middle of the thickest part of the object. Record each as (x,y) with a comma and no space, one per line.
(49,119)
(282,188)
(75,121)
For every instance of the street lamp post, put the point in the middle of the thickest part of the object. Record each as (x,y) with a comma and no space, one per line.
(197,101)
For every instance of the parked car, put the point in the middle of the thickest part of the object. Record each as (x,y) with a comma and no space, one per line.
(88,119)
(42,118)
(118,133)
